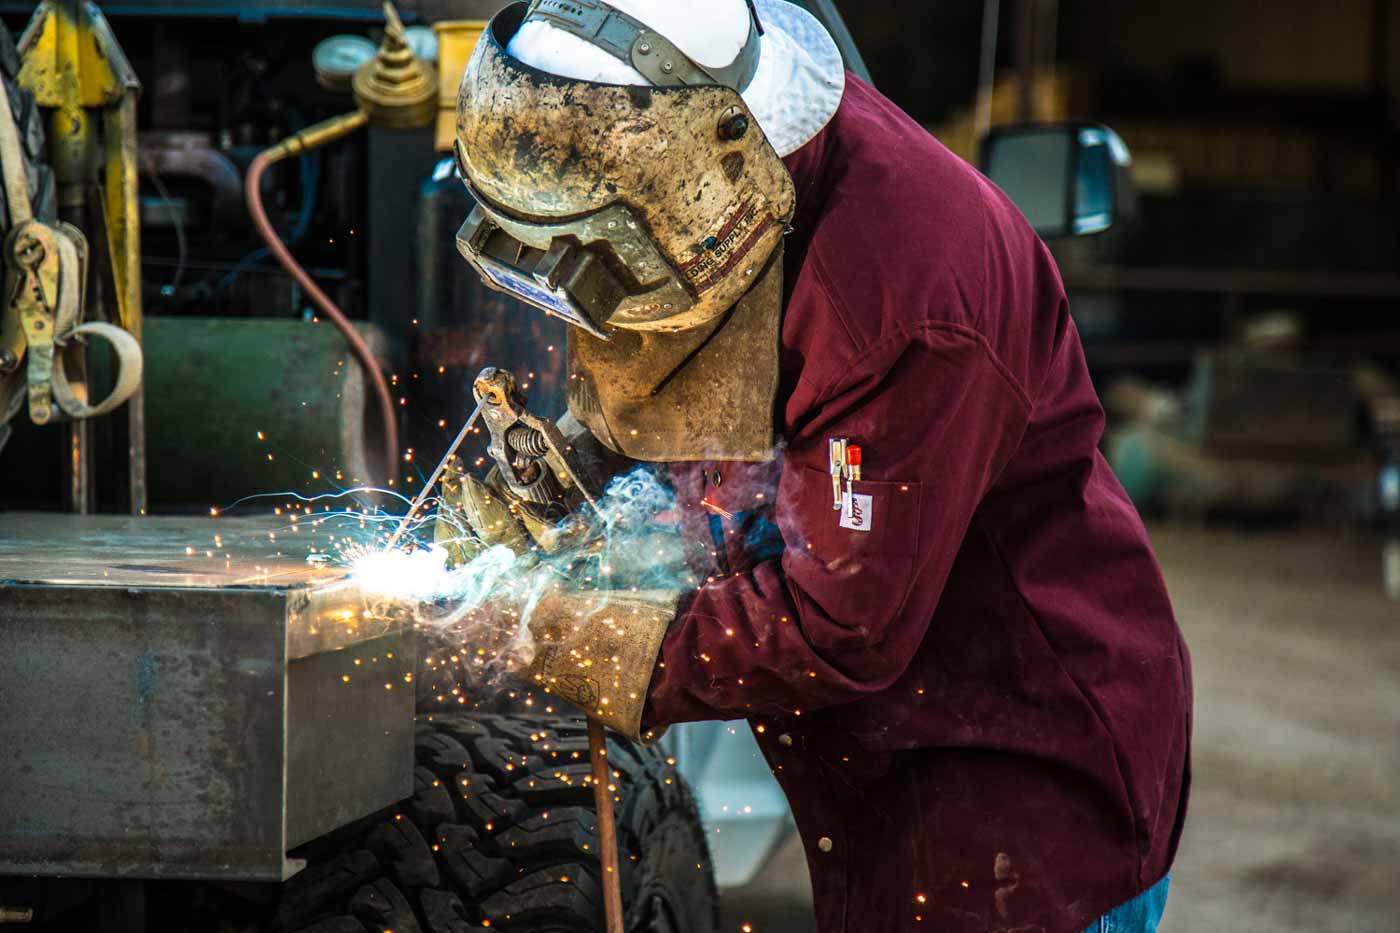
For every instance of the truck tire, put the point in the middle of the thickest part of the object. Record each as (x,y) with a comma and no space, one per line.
(500,834)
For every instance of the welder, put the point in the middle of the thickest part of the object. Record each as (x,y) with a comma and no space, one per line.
(922,585)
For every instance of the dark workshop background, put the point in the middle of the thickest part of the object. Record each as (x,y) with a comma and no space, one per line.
(1263,133)
(1256,274)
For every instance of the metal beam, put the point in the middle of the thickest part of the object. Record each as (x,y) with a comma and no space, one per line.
(186,698)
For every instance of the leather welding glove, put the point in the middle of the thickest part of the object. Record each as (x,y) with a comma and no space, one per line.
(597,650)
(476,515)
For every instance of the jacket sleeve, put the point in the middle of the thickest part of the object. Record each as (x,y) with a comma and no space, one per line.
(841,612)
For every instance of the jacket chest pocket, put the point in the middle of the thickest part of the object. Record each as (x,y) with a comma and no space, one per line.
(875,516)
(860,559)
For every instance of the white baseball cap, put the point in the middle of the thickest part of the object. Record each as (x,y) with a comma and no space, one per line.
(794,93)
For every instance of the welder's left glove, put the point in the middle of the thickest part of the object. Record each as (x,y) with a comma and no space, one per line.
(597,650)
(474,516)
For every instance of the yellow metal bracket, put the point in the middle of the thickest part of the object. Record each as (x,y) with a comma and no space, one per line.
(74,67)
(71,58)
(72,64)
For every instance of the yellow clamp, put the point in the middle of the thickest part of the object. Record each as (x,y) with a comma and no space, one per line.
(32,254)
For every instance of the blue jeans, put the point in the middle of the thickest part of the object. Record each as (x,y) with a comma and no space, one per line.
(1140,915)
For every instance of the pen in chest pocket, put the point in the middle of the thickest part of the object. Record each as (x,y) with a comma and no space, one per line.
(856,509)
(836,453)
(852,473)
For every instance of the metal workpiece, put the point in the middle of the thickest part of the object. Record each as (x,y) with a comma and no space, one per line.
(182,701)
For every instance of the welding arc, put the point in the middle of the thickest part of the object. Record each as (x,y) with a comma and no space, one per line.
(323,303)
(433,480)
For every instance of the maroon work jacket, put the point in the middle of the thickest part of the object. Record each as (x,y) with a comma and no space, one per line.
(980,707)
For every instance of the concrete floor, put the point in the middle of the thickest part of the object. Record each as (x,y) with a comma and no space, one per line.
(1295,816)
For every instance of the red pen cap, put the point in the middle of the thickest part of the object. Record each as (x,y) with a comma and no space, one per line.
(853,455)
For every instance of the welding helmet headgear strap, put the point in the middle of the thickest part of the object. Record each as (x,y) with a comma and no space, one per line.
(634,43)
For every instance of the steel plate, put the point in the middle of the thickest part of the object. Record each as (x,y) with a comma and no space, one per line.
(180,698)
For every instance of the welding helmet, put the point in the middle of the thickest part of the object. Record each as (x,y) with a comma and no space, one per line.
(624,183)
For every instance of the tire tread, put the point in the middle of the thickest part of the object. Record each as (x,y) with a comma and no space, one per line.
(501,831)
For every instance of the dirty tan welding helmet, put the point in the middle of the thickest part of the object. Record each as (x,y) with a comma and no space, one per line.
(651,218)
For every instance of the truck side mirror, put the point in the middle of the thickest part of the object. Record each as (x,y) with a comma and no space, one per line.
(1069,179)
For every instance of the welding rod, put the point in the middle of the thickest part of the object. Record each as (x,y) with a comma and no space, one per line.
(607,826)
(432,480)
(597,741)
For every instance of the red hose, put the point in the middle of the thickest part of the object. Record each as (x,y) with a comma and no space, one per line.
(323,303)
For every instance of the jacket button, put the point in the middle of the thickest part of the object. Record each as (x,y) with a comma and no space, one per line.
(824,843)
(785,739)
(717,478)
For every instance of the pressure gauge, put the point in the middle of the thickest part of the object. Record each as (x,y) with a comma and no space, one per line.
(338,58)
(424,43)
